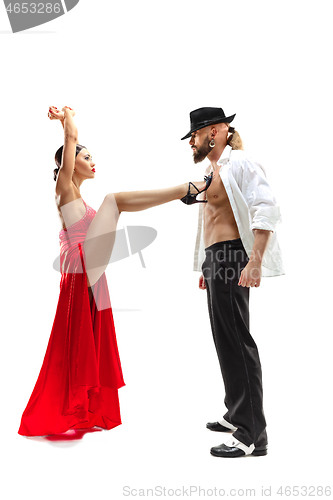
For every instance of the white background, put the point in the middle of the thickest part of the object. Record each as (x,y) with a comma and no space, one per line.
(133,71)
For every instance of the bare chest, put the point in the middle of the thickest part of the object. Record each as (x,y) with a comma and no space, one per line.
(216,195)
(219,219)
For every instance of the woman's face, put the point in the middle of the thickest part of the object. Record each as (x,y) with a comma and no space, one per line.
(84,165)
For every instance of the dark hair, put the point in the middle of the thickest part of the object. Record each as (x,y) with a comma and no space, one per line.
(58,157)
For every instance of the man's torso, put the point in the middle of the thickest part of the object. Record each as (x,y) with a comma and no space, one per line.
(218,217)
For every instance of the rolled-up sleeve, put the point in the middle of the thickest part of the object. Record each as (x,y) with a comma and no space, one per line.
(264,211)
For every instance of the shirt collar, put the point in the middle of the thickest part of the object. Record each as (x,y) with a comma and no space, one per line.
(225,155)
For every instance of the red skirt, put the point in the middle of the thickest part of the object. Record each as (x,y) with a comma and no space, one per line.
(78,383)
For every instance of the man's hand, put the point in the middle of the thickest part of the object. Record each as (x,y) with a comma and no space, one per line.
(251,274)
(202,284)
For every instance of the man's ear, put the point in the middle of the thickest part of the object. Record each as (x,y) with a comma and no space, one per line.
(213,131)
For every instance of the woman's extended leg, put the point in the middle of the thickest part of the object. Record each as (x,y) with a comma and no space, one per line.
(101,233)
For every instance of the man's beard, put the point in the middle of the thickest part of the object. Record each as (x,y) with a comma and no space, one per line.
(200,154)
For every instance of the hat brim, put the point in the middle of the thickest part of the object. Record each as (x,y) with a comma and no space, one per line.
(227,119)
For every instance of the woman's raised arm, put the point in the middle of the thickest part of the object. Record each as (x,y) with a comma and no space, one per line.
(65,173)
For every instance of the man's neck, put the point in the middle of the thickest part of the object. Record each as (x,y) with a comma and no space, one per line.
(215,155)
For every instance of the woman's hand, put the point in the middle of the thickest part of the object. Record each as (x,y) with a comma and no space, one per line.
(55,114)
(68,110)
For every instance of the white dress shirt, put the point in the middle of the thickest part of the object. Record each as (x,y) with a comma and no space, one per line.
(253,204)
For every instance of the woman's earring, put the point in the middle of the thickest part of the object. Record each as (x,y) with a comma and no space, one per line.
(212,143)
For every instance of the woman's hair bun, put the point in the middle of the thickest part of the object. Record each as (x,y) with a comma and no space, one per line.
(55,173)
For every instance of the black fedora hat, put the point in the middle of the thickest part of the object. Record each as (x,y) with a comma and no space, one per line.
(202,117)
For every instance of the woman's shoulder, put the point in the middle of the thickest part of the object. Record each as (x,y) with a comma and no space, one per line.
(64,196)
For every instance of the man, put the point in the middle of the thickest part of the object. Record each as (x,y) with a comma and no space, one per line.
(236,245)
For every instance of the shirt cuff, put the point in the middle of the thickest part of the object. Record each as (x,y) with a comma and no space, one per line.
(266,218)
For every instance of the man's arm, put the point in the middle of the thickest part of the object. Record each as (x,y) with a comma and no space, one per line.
(251,274)
(264,214)
(260,199)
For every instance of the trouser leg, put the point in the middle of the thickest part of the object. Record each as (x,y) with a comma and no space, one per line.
(228,305)
(211,317)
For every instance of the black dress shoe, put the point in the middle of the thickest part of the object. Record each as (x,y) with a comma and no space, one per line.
(232,451)
(216,426)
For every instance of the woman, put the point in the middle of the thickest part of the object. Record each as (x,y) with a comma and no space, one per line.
(78,383)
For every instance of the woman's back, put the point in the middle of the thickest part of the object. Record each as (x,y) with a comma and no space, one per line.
(70,205)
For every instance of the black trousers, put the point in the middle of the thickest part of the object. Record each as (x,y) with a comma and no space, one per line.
(228,305)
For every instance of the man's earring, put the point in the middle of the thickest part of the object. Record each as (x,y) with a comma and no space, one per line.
(212,143)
